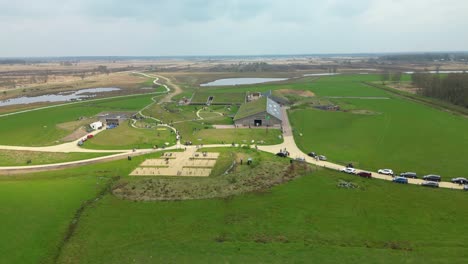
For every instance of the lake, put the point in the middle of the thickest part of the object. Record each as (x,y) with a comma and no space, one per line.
(241,81)
(60,97)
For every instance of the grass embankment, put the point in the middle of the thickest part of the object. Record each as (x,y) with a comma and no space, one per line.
(396,133)
(308,218)
(21,158)
(39,128)
(127,137)
(265,171)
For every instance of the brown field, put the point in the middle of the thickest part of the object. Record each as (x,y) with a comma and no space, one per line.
(302,93)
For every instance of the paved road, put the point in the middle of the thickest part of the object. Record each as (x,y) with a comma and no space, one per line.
(289,144)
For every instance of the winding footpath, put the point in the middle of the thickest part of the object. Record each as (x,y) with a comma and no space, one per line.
(288,144)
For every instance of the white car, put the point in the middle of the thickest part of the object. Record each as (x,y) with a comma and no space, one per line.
(349,170)
(385,171)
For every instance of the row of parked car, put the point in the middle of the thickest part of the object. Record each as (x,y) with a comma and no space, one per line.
(430,180)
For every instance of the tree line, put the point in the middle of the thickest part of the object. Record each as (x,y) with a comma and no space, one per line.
(426,57)
(453,88)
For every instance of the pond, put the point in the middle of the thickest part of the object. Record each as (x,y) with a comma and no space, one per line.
(60,97)
(241,81)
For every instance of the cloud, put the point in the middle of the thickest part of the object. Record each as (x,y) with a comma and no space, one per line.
(193,27)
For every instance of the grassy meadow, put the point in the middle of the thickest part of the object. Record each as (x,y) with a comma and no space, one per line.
(35,213)
(21,158)
(127,137)
(378,133)
(289,223)
(40,127)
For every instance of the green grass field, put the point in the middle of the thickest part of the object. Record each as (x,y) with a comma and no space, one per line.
(127,137)
(39,128)
(403,135)
(35,214)
(308,218)
(21,158)
(204,135)
(234,97)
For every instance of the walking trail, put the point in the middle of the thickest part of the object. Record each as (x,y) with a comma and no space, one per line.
(288,144)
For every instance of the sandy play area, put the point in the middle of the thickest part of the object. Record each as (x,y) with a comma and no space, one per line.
(198,164)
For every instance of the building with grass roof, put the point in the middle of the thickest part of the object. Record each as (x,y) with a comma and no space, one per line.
(261,112)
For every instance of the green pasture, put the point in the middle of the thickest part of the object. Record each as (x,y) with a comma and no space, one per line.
(234,97)
(127,137)
(308,218)
(21,158)
(201,134)
(39,128)
(35,214)
(377,133)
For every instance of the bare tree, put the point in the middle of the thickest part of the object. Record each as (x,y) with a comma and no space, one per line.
(385,76)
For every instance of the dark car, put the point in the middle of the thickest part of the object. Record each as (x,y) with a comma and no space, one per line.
(312,154)
(365,174)
(400,180)
(281,154)
(412,175)
(459,180)
(432,184)
(432,177)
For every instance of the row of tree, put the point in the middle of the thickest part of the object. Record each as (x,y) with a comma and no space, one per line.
(391,76)
(453,88)
(426,57)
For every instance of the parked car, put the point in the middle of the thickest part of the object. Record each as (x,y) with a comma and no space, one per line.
(400,180)
(300,159)
(385,171)
(349,170)
(459,180)
(432,177)
(89,136)
(465,187)
(365,174)
(322,157)
(432,184)
(412,175)
(312,154)
(281,154)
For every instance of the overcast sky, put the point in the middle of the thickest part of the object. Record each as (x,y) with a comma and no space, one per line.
(229,27)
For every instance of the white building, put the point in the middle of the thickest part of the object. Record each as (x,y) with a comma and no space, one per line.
(96,125)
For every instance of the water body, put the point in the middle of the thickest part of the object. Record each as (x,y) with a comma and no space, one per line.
(241,81)
(60,97)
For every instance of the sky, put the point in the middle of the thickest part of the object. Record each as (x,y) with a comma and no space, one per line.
(229,27)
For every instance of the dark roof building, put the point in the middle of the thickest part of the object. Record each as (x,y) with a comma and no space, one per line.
(261,112)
